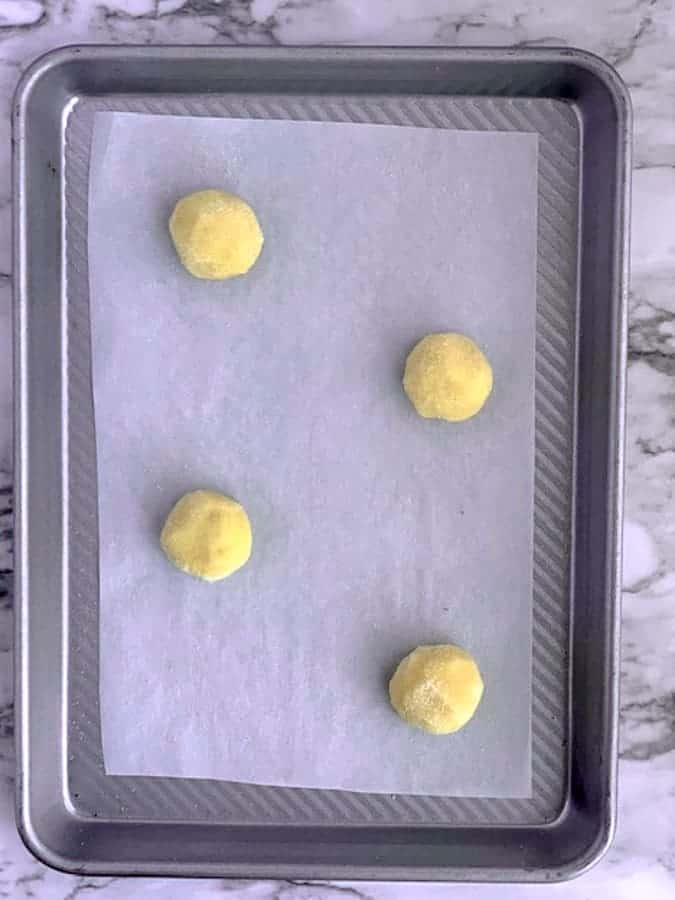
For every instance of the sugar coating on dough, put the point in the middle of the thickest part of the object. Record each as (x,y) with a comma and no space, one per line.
(436,688)
(216,234)
(447,376)
(207,535)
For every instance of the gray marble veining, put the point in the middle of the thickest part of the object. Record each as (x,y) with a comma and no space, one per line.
(638,36)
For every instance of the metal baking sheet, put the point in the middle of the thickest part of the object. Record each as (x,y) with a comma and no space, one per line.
(70,812)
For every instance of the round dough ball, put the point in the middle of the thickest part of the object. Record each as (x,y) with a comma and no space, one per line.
(436,688)
(207,535)
(216,234)
(447,377)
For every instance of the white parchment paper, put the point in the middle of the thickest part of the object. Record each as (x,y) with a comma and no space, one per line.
(374,530)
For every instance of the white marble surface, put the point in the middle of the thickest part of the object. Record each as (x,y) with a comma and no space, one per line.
(639,37)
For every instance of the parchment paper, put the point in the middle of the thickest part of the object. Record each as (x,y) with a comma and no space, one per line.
(374,530)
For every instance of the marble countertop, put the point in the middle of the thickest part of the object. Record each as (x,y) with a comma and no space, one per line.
(638,36)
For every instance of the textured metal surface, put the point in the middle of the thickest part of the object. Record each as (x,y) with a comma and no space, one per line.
(478,90)
(558,181)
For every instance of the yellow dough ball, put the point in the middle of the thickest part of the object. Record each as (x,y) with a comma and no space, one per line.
(216,234)
(436,688)
(447,377)
(207,535)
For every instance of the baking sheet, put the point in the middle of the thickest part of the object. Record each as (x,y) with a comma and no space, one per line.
(374,530)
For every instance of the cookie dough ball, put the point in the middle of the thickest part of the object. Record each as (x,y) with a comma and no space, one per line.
(436,688)
(215,234)
(207,535)
(447,377)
